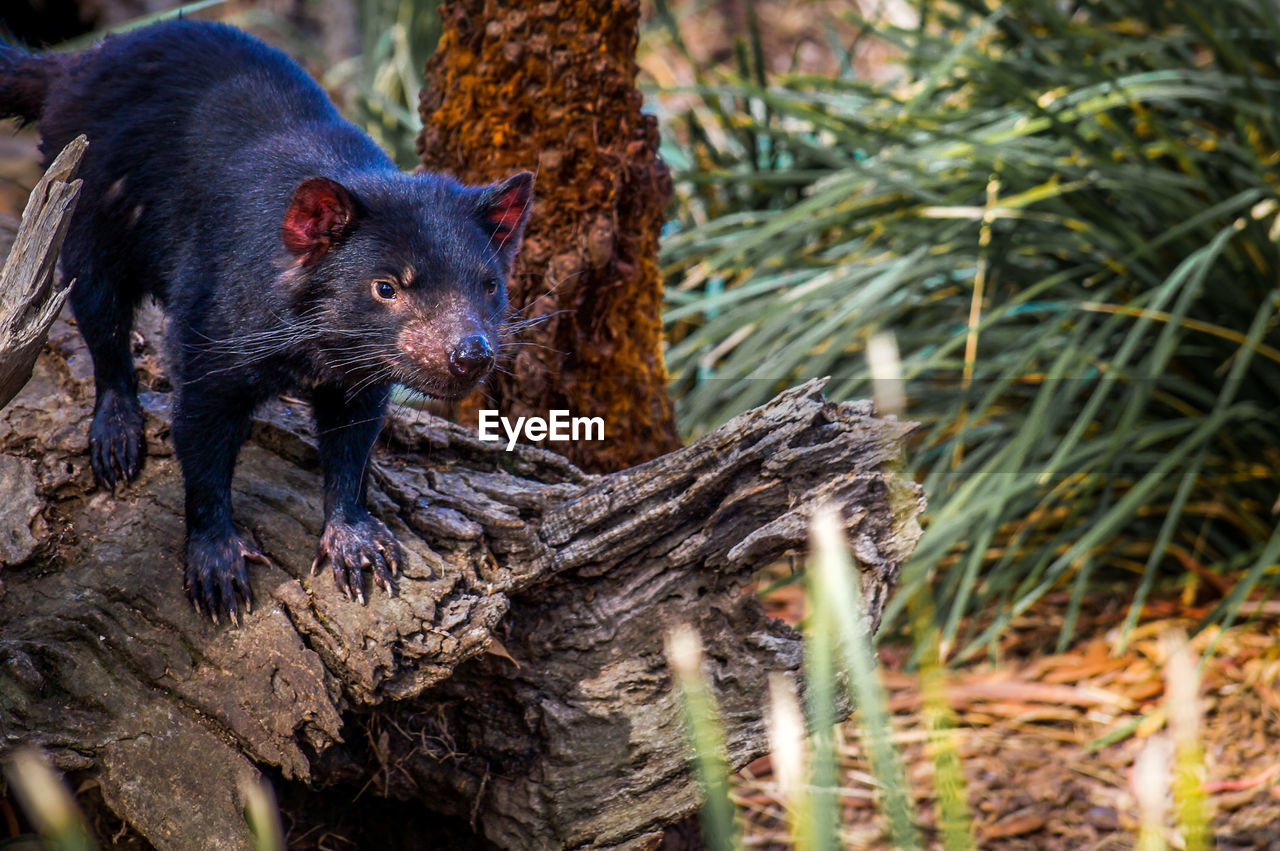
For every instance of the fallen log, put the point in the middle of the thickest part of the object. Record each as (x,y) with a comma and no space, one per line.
(516,680)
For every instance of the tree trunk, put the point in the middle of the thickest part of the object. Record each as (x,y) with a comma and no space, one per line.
(550,87)
(565,733)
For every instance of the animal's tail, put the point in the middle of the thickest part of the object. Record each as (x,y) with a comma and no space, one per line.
(24,82)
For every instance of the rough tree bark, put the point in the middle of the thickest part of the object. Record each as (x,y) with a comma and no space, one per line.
(30,295)
(550,86)
(564,734)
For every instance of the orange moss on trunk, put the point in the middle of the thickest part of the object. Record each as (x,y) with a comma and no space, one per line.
(550,87)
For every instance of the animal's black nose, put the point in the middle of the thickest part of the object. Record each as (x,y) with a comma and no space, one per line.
(472,358)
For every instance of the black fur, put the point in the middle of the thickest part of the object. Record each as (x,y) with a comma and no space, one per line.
(24,82)
(220,179)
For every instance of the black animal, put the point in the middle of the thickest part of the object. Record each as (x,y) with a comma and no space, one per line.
(290,255)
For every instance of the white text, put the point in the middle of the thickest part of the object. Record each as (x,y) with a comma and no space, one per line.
(558,427)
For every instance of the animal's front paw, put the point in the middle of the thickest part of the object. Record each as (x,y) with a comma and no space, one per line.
(116,441)
(351,546)
(217,574)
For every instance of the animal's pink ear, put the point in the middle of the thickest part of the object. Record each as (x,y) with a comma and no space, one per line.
(321,212)
(505,208)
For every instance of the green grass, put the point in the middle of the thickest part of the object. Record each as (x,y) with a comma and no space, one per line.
(1069,225)
(840,669)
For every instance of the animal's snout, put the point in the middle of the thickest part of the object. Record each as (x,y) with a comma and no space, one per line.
(472,357)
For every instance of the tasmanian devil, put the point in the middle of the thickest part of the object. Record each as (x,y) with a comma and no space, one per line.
(290,255)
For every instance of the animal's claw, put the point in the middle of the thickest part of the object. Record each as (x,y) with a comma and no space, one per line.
(217,578)
(117,444)
(351,546)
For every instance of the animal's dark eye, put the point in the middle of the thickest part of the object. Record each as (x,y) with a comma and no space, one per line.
(491,286)
(384,290)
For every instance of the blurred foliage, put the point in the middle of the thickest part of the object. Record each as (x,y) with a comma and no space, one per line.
(84,42)
(809,775)
(839,670)
(1066,212)
(396,37)
(47,802)
(378,88)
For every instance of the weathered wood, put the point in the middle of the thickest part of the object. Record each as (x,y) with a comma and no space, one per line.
(30,294)
(568,737)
